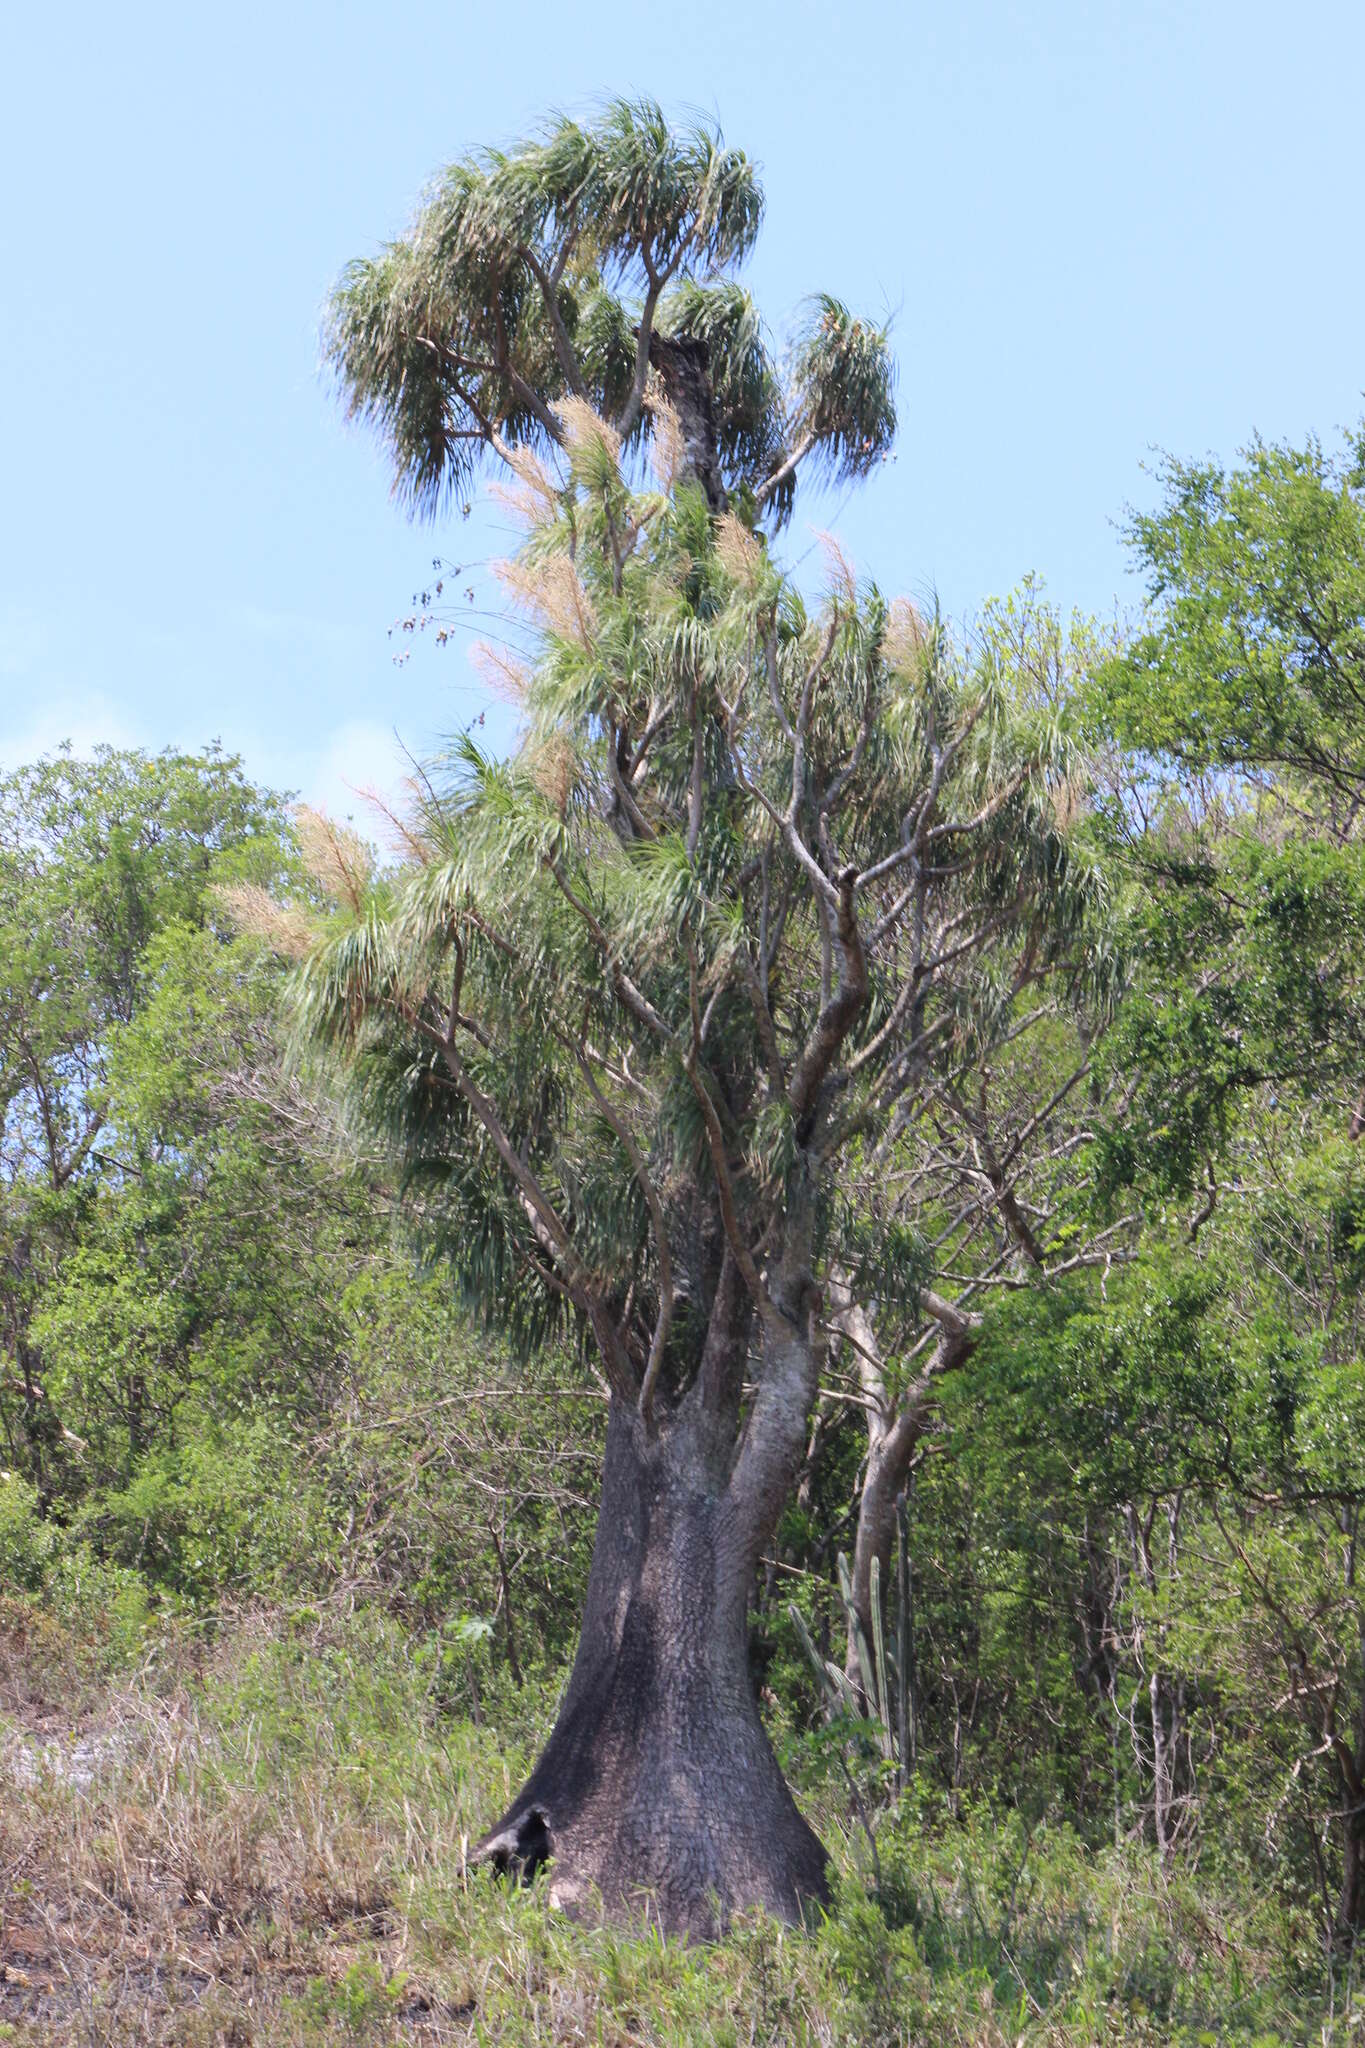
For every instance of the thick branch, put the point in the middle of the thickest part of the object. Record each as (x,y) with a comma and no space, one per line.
(715,1138)
(656,1216)
(836,1018)
(568,361)
(784,469)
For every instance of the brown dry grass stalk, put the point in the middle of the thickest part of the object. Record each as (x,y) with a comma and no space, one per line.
(534,498)
(843,580)
(740,555)
(552,594)
(552,766)
(906,639)
(582,426)
(284,926)
(667,448)
(337,858)
(505,676)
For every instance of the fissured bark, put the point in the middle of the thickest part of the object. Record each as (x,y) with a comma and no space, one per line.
(658,1790)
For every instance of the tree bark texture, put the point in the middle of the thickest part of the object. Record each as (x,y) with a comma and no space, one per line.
(683,364)
(658,1790)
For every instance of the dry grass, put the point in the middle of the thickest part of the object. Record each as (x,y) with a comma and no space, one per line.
(162,1860)
(263,1840)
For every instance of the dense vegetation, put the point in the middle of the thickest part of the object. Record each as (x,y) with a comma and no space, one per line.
(1059,1633)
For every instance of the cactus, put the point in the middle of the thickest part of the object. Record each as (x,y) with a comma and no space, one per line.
(839,1694)
(879,1667)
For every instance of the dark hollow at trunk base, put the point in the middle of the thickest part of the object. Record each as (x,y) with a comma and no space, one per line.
(658,1791)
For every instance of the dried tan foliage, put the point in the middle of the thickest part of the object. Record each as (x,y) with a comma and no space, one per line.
(552,766)
(906,639)
(667,448)
(582,426)
(505,676)
(535,476)
(843,581)
(1069,798)
(168,1901)
(534,498)
(404,834)
(740,555)
(285,928)
(551,592)
(336,857)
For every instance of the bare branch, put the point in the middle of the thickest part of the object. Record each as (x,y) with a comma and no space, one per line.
(568,361)
(784,469)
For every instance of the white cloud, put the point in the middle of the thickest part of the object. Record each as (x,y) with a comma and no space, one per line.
(85,718)
(295,630)
(358,757)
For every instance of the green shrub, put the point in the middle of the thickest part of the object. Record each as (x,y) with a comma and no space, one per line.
(27,1543)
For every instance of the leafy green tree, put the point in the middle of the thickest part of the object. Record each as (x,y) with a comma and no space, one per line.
(96,858)
(647,995)
(191,1296)
(1238,1062)
(1241,713)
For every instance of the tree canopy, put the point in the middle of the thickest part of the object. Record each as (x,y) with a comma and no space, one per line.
(570,266)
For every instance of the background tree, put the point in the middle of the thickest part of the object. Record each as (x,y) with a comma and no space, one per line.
(96,859)
(1237,1057)
(980,1169)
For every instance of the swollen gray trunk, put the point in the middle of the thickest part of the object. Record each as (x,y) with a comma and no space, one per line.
(658,1788)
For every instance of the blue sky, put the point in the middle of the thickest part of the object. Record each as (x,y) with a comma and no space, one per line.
(1100,228)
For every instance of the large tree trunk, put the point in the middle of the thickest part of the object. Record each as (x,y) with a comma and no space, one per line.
(684,366)
(658,1789)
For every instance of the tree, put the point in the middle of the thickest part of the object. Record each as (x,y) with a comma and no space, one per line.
(1241,713)
(1240,814)
(981,1167)
(645,998)
(96,859)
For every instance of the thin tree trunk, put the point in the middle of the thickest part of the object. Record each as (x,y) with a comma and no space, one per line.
(1162,1709)
(907,1719)
(513,1661)
(1351,1905)
(1164,1693)
(1101,1595)
(894,1434)
(1351,1769)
